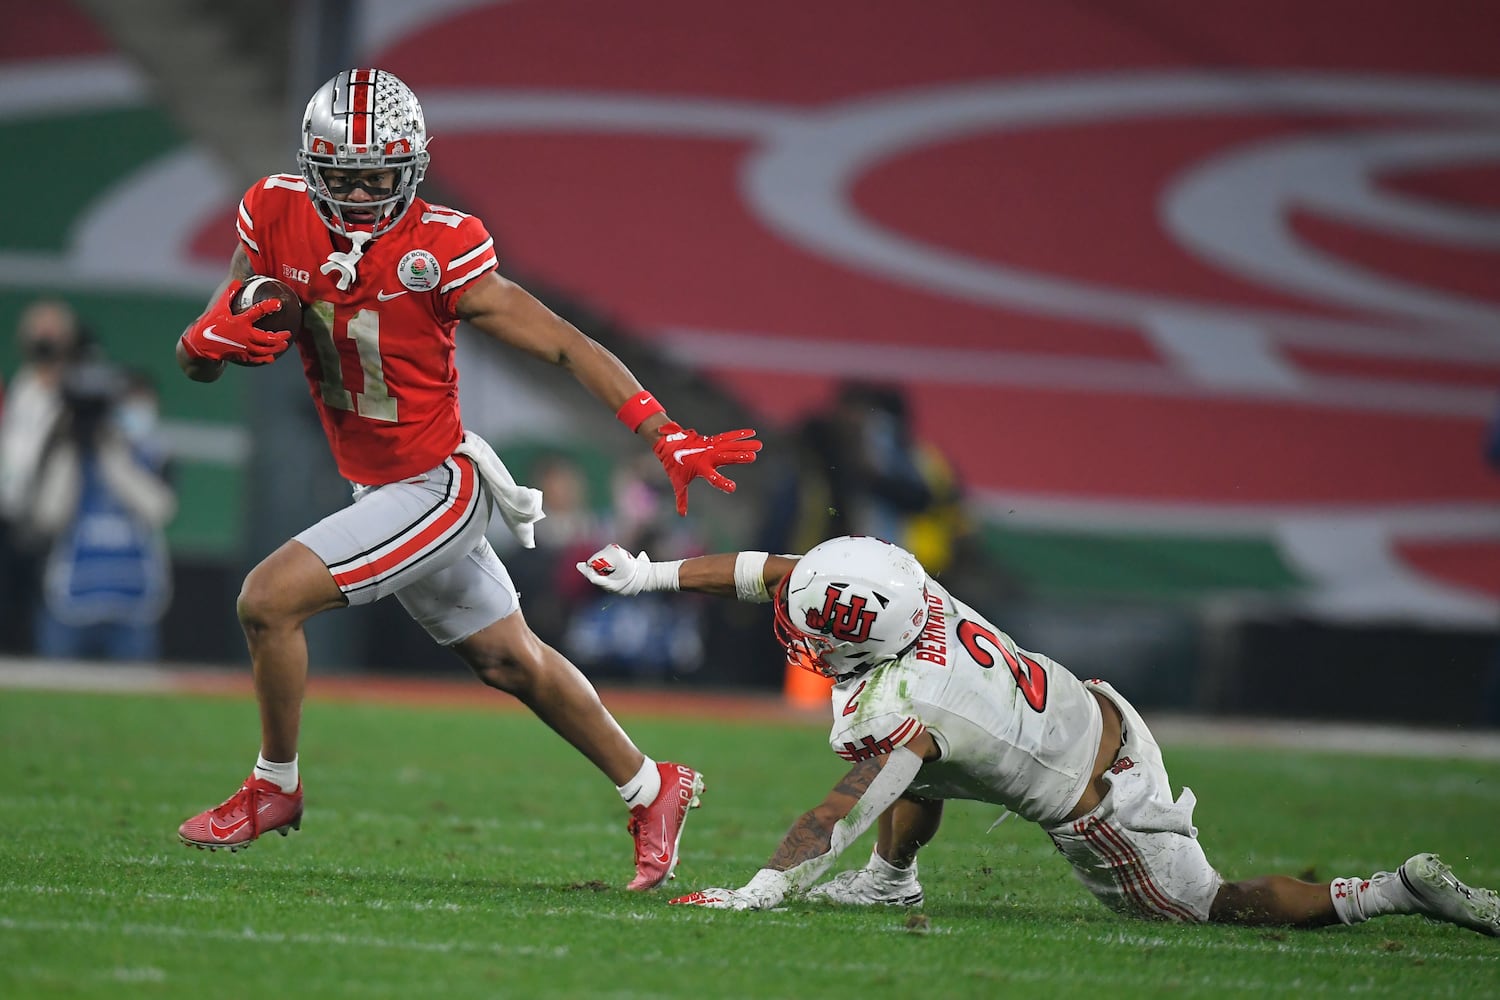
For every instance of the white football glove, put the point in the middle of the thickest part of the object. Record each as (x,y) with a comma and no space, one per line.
(767,889)
(617,571)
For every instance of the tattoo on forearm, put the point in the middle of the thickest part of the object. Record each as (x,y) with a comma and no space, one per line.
(808,838)
(812,833)
(857,781)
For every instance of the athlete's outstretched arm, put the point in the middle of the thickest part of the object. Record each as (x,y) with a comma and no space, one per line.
(501,309)
(750,576)
(822,833)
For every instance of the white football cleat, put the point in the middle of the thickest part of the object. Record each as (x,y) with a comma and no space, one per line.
(1439,894)
(866,887)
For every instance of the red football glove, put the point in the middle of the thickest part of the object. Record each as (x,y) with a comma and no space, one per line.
(688,455)
(222,335)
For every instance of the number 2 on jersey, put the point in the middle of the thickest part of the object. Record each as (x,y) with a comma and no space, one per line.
(376,401)
(1029,675)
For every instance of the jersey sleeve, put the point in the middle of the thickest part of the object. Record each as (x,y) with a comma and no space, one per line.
(265,218)
(875,735)
(467,253)
(244,225)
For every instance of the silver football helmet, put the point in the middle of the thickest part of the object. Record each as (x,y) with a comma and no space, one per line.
(363,119)
(849,604)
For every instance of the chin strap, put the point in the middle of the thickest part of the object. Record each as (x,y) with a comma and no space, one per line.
(344,263)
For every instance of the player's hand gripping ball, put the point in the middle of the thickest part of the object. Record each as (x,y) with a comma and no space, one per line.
(286,317)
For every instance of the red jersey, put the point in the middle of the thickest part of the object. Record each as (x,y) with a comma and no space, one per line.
(379,358)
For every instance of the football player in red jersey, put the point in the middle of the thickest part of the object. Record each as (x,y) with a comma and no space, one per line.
(384,278)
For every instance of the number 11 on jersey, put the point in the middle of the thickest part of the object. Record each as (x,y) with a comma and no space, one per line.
(376,401)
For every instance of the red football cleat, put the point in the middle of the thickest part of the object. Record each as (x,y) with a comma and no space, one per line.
(657,828)
(258,807)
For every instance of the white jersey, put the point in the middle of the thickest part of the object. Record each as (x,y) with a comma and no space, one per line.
(1015,728)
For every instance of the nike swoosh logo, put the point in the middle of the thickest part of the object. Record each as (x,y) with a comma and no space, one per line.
(221,832)
(210,335)
(680,452)
(665,857)
(382,296)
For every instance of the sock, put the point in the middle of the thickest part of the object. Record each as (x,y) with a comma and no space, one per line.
(1357,900)
(283,775)
(888,871)
(642,789)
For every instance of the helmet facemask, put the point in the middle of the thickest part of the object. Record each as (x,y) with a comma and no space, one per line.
(364,119)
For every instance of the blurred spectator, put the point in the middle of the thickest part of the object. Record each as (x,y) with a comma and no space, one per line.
(657,639)
(858,473)
(860,470)
(102,500)
(50,339)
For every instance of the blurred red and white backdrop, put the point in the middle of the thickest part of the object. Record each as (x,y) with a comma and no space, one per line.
(1144,267)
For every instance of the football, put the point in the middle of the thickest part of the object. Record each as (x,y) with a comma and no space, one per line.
(259,289)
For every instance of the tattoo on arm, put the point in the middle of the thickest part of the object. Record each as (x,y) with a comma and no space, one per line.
(812,833)
(857,781)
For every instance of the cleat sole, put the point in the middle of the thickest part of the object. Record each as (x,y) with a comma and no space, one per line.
(285,830)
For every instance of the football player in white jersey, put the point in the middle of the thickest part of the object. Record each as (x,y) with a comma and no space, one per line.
(932,702)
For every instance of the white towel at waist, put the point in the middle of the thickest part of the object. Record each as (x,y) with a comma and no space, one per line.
(520,506)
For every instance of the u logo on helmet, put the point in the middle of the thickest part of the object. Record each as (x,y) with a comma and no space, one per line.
(847,622)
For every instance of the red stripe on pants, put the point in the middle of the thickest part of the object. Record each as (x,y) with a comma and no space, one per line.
(418,543)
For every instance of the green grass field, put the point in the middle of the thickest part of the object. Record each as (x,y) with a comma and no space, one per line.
(469,853)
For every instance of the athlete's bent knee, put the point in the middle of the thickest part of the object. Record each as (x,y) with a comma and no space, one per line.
(284,590)
(257,604)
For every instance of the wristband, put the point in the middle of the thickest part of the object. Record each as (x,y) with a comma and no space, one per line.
(663,575)
(750,577)
(637,408)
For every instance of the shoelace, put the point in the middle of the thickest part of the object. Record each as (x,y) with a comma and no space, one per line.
(224,810)
(250,797)
(634,826)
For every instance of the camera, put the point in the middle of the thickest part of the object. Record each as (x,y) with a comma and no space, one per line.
(90,392)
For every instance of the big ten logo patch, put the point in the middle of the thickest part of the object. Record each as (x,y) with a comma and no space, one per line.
(290,273)
(1123,764)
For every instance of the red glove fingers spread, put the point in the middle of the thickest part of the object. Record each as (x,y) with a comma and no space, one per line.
(222,335)
(688,455)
